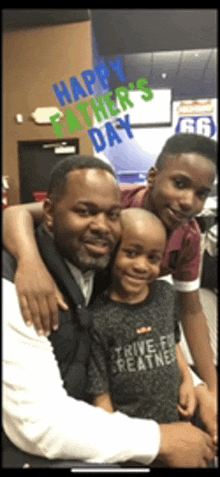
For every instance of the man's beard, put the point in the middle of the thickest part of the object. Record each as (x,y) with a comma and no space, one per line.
(81,258)
(85,262)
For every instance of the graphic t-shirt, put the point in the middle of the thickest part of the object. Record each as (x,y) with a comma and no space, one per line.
(139,371)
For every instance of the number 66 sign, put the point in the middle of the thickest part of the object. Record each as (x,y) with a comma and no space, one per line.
(198,125)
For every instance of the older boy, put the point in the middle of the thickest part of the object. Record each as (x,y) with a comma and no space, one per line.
(177,188)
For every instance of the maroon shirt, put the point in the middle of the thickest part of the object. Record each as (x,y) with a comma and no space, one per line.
(182,255)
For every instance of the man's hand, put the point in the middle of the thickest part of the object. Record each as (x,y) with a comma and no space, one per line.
(208,411)
(184,445)
(38,296)
(187,399)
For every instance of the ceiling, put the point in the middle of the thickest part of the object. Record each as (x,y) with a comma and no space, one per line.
(178,43)
(189,73)
(145,30)
(129,31)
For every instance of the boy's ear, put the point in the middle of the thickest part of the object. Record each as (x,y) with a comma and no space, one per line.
(151,176)
(49,213)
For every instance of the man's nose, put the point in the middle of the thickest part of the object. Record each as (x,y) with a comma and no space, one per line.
(100,222)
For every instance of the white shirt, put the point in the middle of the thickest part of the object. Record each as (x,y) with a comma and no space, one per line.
(84,280)
(40,418)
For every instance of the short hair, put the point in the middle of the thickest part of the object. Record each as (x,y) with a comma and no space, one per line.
(188,143)
(130,215)
(58,174)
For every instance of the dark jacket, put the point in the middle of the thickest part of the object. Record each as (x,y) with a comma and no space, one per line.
(71,341)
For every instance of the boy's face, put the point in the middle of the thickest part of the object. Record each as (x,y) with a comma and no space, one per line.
(85,221)
(138,260)
(178,191)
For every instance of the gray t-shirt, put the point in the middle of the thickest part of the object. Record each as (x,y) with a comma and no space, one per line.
(139,371)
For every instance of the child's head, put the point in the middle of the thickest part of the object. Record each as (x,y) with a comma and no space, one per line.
(182,178)
(139,255)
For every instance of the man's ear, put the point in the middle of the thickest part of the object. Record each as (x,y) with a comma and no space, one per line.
(49,213)
(151,176)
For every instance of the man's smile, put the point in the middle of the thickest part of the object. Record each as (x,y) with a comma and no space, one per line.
(96,244)
(98,247)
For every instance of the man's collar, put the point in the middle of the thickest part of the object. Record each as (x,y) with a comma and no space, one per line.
(47,230)
(76,271)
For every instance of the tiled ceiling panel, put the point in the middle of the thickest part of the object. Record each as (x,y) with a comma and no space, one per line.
(193,64)
(190,73)
(142,62)
(210,70)
(165,68)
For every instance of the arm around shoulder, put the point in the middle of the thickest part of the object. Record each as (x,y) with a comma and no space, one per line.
(37,291)
(18,230)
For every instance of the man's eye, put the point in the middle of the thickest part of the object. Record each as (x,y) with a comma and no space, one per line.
(82,212)
(114,214)
(131,253)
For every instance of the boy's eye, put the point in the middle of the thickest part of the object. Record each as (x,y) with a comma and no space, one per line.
(155,258)
(180,183)
(203,194)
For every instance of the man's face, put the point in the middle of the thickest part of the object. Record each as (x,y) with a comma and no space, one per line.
(178,191)
(85,221)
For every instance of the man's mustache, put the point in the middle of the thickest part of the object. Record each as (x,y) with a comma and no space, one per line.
(99,238)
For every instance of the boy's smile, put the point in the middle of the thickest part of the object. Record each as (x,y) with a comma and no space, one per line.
(177,191)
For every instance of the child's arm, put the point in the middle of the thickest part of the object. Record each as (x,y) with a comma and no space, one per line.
(104,401)
(205,401)
(197,334)
(187,399)
(38,294)
(207,411)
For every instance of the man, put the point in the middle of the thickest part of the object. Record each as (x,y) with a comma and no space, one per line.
(44,414)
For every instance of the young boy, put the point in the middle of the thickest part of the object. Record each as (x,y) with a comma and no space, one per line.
(136,364)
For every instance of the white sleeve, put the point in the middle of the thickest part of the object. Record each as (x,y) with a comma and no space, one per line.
(183,286)
(39,416)
(196,380)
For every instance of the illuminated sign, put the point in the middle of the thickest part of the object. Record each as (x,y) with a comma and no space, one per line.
(196,117)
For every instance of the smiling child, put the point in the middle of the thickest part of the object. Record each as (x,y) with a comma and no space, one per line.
(136,364)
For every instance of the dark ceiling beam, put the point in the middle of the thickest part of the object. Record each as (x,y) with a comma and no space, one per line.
(13,19)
